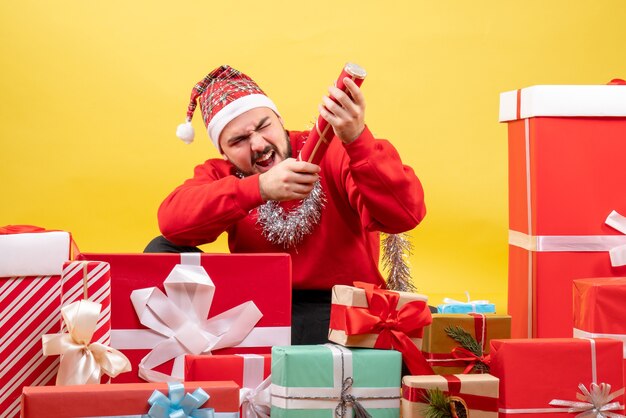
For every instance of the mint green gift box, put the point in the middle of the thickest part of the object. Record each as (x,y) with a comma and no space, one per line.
(307,381)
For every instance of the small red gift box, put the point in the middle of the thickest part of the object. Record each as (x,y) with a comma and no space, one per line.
(264,279)
(249,371)
(566,146)
(121,399)
(599,309)
(540,377)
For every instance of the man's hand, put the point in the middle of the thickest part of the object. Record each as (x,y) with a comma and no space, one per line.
(348,117)
(288,180)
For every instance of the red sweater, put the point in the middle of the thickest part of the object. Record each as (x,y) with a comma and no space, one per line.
(367,190)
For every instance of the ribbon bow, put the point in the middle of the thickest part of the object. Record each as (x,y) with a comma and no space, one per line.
(617,254)
(347,398)
(82,362)
(180,316)
(463,354)
(593,403)
(393,326)
(255,403)
(179,404)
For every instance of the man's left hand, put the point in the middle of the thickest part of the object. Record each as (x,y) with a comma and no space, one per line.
(347,116)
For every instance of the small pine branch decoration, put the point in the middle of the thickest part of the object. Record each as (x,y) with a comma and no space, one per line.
(467,341)
(437,404)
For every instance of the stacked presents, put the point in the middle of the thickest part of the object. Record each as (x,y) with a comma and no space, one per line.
(95,335)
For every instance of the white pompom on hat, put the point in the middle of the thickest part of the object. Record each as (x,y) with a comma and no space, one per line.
(223,94)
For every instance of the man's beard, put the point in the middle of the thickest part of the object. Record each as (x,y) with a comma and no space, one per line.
(288,154)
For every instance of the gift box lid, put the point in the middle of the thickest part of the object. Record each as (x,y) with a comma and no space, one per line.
(472,384)
(34,253)
(564,101)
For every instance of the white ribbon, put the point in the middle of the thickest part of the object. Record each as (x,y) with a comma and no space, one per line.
(615,245)
(256,402)
(180,316)
(594,403)
(254,396)
(82,362)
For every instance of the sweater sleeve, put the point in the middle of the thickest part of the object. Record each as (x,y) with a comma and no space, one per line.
(203,207)
(387,194)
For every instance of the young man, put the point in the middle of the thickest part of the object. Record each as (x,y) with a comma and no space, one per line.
(328,216)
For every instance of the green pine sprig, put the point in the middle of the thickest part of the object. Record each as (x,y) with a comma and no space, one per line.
(467,341)
(437,404)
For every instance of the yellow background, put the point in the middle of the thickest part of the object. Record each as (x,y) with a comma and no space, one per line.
(92,91)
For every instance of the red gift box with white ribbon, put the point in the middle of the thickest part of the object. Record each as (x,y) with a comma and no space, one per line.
(547,377)
(250,371)
(600,309)
(165,306)
(566,179)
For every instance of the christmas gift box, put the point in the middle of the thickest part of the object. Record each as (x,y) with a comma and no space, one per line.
(197,399)
(600,309)
(89,280)
(470,306)
(160,304)
(365,316)
(250,371)
(461,395)
(333,381)
(565,177)
(544,377)
(459,343)
(31,262)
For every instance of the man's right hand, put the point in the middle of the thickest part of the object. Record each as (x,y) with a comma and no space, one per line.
(288,180)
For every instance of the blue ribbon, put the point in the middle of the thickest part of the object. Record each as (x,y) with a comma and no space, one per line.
(179,404)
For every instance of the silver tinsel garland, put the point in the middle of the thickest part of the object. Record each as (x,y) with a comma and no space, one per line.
(289,227)
(396,250)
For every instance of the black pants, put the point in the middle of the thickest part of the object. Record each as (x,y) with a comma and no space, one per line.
(310,310)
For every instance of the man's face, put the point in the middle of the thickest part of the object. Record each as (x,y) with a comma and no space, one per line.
(255,141)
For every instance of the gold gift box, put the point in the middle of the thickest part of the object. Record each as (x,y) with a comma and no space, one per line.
(437,345)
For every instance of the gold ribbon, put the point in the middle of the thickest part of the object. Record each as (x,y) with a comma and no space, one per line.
(82,362)
(593,403)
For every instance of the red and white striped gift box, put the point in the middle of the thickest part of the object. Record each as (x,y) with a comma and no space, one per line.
(89,280)
(29,308)
(31,264)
